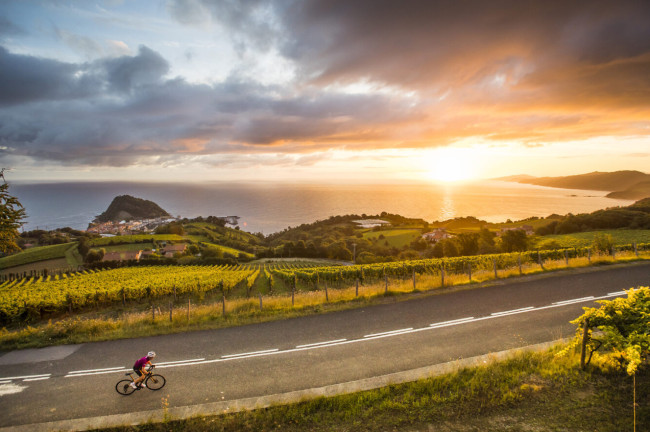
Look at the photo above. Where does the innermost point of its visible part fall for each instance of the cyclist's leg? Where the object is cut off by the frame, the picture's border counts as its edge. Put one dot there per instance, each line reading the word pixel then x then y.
pixel 140 377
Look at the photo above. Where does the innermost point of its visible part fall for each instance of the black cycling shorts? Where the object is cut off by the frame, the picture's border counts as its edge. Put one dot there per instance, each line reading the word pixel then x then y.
pixel 137 371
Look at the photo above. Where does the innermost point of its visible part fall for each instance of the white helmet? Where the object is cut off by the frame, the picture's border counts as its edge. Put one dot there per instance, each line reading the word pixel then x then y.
pixel 151 354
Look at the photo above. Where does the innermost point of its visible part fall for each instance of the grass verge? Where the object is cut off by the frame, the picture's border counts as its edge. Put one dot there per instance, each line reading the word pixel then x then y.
pixel 532 391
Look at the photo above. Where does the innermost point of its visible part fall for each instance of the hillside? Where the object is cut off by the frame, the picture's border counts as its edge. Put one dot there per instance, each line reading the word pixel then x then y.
pixel 126 207
pixel 604 181
pixel 638 191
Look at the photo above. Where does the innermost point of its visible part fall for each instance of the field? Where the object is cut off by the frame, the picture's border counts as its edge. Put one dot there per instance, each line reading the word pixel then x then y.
pixel 43 253
pixel 619 237
pixel 229 250
pixel 398 238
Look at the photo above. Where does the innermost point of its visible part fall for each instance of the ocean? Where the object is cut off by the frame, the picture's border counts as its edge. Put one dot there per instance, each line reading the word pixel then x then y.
pixel 273 207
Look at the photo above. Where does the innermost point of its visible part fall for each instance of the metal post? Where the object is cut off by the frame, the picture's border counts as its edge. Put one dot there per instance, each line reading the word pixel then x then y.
pixel 469 271
pixel 171 308
pixel 223 303
pixel 357 290
pixel 413 279
pixel 442 276
pixel 496 275
pixel 327 297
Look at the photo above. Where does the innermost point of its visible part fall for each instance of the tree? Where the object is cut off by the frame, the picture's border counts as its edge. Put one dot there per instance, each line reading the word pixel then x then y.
pixel 624 325
pixel 514 240
pixel 11 214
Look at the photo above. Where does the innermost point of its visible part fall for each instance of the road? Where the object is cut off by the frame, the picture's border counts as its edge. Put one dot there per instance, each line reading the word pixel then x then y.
pixel 202 367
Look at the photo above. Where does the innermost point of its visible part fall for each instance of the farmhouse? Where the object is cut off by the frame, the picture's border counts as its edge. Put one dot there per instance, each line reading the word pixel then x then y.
pixel 170 250
pixel 436 235
pixel 122 256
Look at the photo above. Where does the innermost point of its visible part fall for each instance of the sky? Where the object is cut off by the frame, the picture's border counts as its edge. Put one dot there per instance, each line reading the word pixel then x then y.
pixel 322 90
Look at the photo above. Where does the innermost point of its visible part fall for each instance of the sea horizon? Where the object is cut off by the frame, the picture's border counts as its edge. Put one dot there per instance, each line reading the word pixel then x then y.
pixel 269 207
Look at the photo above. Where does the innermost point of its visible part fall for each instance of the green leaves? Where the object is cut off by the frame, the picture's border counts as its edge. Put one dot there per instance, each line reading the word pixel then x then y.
pixel 624 324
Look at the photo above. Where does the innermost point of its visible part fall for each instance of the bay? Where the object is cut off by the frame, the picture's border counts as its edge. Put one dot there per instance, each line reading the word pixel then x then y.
pixel 272 207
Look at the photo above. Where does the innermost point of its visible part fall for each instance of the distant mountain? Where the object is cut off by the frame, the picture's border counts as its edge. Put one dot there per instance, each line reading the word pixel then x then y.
pixel 519 178
pixel 126 207
pixel 603 181
pixel 638 191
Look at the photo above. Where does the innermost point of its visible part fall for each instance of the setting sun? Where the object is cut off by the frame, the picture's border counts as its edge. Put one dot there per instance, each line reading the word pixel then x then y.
pixel 451 164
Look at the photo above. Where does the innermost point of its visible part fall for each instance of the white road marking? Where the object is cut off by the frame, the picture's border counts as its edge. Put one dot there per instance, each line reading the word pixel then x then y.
pixel 5 382
pixel 250 354
pixel 451 323
pixel 178 361
pixel 513 312
pixel 7 389
pixel 580 300
pixel 389 333
pixel 616 294
pixel 321 343
pixel 24 377
pixel 37 379
pixel 96 370
pixel 96 373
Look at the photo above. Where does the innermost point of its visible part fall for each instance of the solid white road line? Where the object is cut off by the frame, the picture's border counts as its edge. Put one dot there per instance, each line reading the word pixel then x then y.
pixel 96 373
pixel 321 343
pixel 37 379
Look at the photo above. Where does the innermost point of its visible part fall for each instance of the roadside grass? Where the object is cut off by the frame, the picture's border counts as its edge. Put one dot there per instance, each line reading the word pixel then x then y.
pixel 530 391
pixel 35 254
pixel 206 310
pixel 228 250
pixel 586 239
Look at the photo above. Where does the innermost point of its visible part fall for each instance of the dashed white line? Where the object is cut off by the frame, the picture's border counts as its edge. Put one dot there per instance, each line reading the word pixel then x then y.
pixel 37 379
pixel 112 369
pixel 250 354
pixel 71 375
pixel 580 300
pixel 24 377
pixel 451 323
pixel 513 312
pixel 389 333
pixel 179 361
pixel 321 343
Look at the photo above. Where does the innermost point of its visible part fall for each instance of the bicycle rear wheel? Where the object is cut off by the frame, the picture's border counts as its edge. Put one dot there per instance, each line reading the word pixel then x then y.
pixel 124 387
pixel 155 382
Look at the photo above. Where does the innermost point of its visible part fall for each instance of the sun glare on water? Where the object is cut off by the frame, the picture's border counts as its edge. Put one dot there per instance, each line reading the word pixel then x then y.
pixel 449 165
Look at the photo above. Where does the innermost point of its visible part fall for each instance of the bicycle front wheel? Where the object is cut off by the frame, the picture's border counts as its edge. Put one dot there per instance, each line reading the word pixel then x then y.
pixel 124 387
pixel 155 382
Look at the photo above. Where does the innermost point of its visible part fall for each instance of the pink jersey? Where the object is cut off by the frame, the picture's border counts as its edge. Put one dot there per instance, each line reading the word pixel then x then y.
pixel 141 362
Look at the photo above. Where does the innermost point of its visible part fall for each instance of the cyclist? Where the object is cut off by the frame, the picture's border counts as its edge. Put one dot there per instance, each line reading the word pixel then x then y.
pixel 139 368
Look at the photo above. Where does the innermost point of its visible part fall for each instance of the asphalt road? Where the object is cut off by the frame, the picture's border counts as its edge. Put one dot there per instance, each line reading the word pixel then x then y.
pixel 201 367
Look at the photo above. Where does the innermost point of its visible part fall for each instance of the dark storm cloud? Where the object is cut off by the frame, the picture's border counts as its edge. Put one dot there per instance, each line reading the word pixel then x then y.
pixel 124 111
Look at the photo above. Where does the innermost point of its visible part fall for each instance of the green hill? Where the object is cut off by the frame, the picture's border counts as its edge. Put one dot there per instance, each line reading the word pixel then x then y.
pixel 126 207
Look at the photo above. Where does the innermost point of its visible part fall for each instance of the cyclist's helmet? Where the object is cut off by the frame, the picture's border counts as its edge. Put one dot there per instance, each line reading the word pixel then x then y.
pixel 151 354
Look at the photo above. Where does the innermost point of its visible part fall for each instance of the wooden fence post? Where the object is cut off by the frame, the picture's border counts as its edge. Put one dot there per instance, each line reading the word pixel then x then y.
pixel 260 302
pixel 519 262
pixel 589 255
pixel 153 313
pixel 496 275
pixel 613 252
pixel 413 279
pixel 585 339
pixel 442 276
pixel 566 257
pixel 188 309
pixel 223 304
pixel 386 283
pixel 171 309
pixel 357 290
pixel 469 271
pixel 539 260
pixel 636 251
pixel 327 297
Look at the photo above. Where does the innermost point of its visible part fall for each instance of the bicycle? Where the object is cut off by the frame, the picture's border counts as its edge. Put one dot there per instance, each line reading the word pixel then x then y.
pixel 152 382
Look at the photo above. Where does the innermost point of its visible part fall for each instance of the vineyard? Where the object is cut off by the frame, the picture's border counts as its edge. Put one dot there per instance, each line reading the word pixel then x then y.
pixel 33 298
